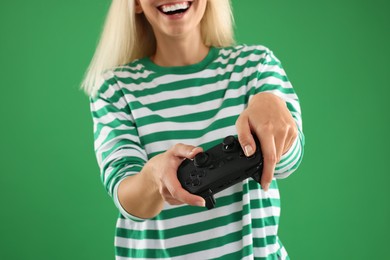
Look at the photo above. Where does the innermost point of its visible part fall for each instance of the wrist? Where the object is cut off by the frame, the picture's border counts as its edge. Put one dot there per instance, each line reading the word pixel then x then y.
pixel 151 181
pixel 139 195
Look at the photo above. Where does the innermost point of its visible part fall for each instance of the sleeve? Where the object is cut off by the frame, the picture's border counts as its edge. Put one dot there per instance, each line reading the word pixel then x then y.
pixel 272 78
pixel 117 144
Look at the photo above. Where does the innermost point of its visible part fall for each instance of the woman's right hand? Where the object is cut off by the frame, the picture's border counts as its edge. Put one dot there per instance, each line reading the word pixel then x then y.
pixel 163 169
pixel 143 195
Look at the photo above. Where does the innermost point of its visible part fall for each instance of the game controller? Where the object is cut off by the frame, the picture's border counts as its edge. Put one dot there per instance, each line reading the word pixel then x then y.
pixel 219 168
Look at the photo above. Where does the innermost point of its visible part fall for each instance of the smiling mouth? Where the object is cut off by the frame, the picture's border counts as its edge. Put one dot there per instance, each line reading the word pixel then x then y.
pixel 175 8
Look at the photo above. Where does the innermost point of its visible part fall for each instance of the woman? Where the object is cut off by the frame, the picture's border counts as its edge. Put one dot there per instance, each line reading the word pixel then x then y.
pixel 173 85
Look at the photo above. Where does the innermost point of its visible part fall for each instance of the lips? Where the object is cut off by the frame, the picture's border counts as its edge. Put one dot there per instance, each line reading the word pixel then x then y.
pixel 175 8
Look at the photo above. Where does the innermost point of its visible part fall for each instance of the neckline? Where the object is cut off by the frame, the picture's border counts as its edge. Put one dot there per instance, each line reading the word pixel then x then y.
pixel 149 64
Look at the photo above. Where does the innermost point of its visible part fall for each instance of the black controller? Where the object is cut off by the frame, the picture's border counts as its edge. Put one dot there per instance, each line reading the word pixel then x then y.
pixel 219 168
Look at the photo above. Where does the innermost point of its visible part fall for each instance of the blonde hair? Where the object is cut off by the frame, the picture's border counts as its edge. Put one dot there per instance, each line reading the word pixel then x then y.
pixel 127 36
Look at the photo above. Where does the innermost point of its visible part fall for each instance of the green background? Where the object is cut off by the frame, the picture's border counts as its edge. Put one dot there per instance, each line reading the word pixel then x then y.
pixel 336 53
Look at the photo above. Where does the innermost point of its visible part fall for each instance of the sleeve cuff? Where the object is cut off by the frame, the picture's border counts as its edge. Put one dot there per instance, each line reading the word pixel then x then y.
pixel 123 212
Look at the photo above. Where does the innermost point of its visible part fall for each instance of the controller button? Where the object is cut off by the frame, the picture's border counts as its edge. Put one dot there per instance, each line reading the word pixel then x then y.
pixel 193 174
pixel 188 182
pixel 201 159
pixel 229 143
pixel 195 182
pixel 201 174
pixel 212 166
pixel 229 158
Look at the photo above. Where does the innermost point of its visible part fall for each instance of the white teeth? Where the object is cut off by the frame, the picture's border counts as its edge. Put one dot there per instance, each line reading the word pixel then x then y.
pixel 175 7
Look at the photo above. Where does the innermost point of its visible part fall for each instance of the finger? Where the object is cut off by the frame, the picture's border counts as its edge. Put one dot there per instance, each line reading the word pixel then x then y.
pixel 184 196
pixel 194 152
pixel 174 202
pixel 269 156
pixel 292 136
pixel 168 197
pixel 185 151
pixel 177 192
pixel 245 135
pixel 280 142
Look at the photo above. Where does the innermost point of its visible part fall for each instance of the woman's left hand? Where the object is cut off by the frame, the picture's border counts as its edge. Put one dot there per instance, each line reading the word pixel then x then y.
pixel 267 117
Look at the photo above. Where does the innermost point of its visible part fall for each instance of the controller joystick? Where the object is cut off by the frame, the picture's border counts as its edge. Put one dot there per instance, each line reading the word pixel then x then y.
pixel 219 168
pixel 229 143
pixel 200 159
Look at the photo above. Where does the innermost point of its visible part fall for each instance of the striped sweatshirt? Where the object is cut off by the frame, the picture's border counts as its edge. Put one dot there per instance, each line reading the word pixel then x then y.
pixel 143 109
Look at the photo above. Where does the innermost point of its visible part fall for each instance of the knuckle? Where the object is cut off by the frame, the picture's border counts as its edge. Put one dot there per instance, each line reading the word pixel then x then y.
pixel 176 147
pixel 266 127
pixel 272 158
pixel 294 131
pixel 284 128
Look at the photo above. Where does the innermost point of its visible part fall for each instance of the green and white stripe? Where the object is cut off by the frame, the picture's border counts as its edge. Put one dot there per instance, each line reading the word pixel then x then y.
pixel 142 109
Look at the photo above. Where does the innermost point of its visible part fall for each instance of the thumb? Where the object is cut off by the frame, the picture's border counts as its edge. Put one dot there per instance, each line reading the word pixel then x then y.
pixel 185 151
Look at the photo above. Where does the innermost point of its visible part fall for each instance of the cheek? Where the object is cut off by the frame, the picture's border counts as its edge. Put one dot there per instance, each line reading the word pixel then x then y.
pixel 151 18
pixel 201 9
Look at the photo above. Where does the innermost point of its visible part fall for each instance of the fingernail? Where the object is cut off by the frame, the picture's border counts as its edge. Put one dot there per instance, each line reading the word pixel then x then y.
pixel 265 187
pixel 248 150
pixel 201 203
